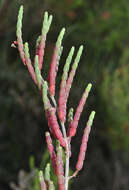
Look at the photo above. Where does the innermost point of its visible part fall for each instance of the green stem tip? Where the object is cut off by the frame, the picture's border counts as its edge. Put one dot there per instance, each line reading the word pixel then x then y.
pixel 91 118
pixel 51 185
pixel 45 98
pixel 68 62
pixel 19 22
pixel 47 172
pixel 79 53
pixel 60 37
pixel 26 49
pixel 88 88
pixel 46 23
pixel 41 176
pixel 70 115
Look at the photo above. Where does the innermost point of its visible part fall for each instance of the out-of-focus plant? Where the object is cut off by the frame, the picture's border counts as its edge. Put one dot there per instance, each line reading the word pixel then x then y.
pixel 115 87
pixel 56 112
pixel 30 180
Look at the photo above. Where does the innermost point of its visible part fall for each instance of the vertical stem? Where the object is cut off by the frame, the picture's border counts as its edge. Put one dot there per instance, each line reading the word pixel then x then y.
pixel 54 101
pixel 66 151
pixel 67 157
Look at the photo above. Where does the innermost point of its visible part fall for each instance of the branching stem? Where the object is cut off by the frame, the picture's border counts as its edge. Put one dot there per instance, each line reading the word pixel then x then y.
pixel 66 151
pixel 54 101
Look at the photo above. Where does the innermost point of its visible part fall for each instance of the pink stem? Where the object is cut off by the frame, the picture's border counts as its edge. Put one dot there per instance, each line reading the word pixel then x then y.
pixel 40 50
pixel 61 103
pixel 51 150
pixel 60 169
pixel 53 71
pixel 21 49
pixel 54 126
pixel 83 148
pixel 74 124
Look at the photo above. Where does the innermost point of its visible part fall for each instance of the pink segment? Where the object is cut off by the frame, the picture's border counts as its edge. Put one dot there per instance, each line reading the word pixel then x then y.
pixel 52 72
pixel 73 128
pixel 83 148
pixel 54 126
pixel 51 151
pixel 40 51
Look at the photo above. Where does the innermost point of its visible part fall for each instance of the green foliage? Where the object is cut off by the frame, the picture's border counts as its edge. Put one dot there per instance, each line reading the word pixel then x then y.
pixel 114 92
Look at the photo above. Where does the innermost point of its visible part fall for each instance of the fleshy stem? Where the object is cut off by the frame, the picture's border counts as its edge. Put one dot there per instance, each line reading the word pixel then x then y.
pixel 28 62
pixel 42 39
pixel 19 35
pixel 54 63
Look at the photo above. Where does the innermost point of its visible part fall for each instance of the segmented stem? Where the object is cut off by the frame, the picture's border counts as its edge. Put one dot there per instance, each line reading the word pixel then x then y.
pixel 51 150
pixel 28 63
pixel 19 34
pixel 83 146
pixel 54 63
pixel 62 92
pixel 74 124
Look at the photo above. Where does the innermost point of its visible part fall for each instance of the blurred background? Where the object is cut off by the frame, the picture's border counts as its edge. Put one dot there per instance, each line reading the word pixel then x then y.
pixel 103 28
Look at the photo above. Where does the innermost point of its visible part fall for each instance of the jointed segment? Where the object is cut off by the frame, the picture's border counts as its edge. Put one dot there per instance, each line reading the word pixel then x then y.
pixel 19 22
pixel 60 38
pixel 62 93
pixel 54 126
pixel 70 115
pixel 19 35
pixel 37 44
pixel 46 102
pixel 38 73
pixel 73 71
pixel 60 168
pixel 74 123
pixel 83 146
pixel 54 63
pixel 51 150
pixel 41 41
pixel 91 118
pixel 46 23
pixel 28 62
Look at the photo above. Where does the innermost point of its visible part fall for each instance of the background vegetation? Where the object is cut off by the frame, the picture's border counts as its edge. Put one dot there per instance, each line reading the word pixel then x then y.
pixel 103 28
